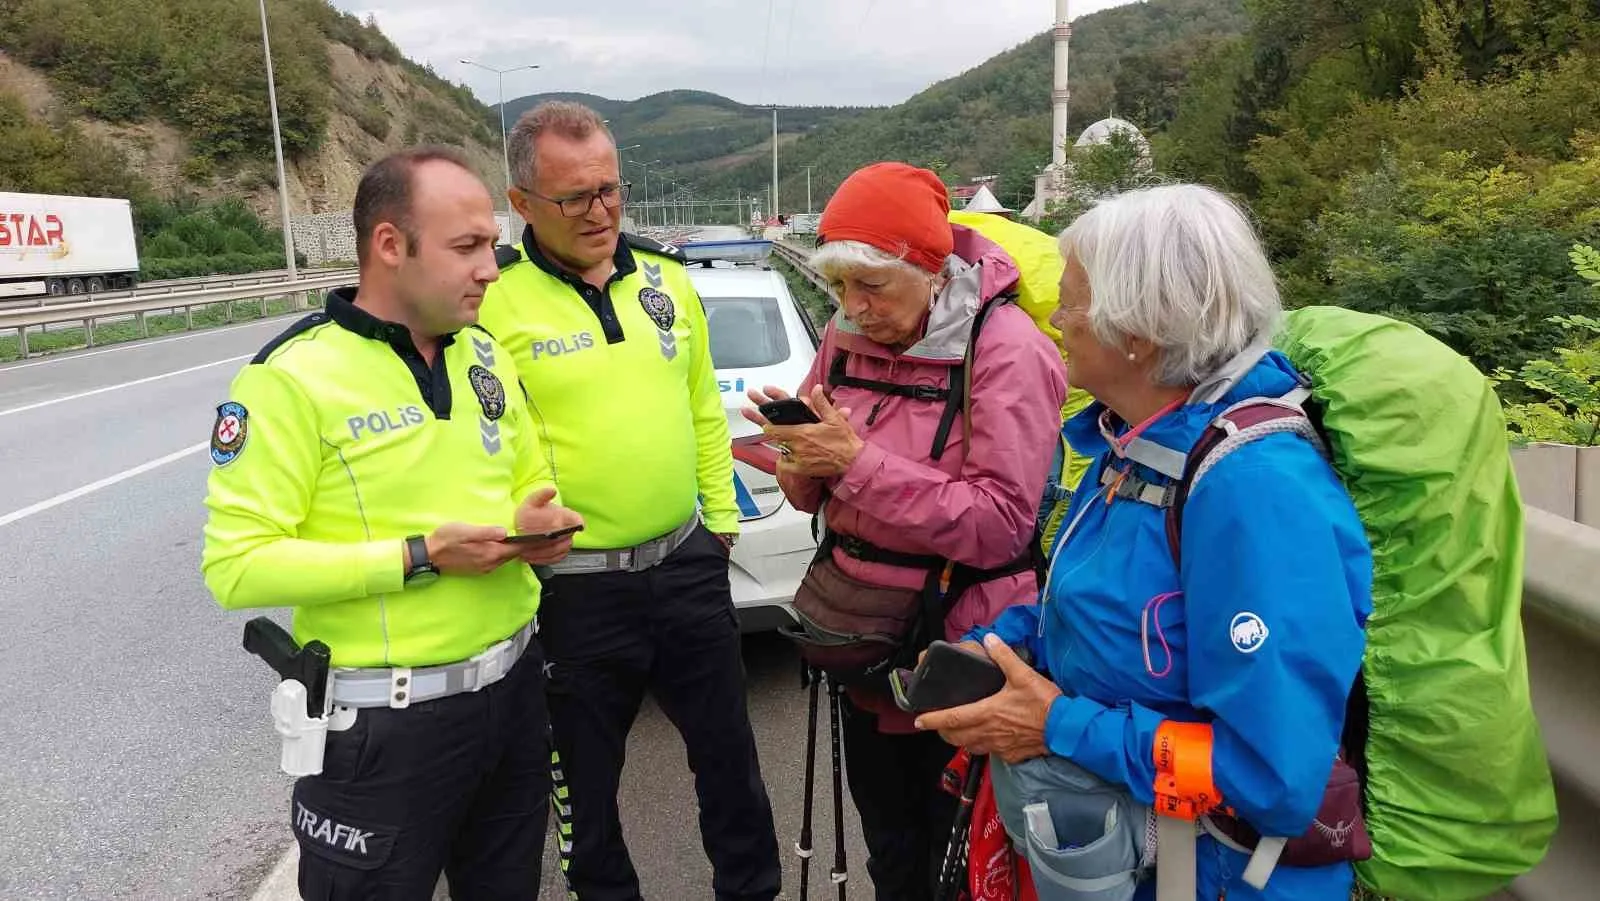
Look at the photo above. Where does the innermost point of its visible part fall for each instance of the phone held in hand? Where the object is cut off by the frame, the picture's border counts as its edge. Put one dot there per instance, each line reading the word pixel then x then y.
pixel 789 411
pixel 533 537
pixel 949 676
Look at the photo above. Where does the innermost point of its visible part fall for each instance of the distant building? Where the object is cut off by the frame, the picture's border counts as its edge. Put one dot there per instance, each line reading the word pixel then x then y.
pixel 984 201
pixel 1101 132
pixel 1098 133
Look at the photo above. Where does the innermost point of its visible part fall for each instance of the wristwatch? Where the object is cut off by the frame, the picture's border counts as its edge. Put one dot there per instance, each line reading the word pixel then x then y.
pixel 422 571
pixel 728 538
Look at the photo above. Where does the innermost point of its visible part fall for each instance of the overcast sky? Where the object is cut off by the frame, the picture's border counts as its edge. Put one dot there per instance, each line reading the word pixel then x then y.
pixel 819 52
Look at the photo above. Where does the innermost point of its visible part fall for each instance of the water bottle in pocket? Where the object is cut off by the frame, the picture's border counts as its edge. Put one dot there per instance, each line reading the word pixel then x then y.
pixel 1085 839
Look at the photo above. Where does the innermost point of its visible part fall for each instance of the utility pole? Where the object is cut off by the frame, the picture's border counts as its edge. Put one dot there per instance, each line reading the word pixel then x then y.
pixel 277 149
pixel 808 188
pixel 774 195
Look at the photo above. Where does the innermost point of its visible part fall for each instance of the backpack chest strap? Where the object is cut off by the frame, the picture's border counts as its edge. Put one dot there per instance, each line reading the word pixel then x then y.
pixel 1126 484
pixel 837 377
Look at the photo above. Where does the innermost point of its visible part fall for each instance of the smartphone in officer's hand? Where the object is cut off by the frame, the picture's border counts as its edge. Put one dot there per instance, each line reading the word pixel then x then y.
pixel 789 411
pixel 949 676
pixel 533 537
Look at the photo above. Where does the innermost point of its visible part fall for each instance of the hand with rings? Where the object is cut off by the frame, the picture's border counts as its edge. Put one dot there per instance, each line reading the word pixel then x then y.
pixel 816 450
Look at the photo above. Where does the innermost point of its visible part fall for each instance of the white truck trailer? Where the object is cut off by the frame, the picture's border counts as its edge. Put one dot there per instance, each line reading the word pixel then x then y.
pixel 52 245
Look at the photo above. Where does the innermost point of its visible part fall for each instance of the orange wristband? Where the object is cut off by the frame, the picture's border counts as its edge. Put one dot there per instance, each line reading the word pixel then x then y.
pixel 1184 787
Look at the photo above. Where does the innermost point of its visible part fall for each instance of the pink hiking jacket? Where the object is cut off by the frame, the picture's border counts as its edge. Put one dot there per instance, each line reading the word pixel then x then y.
pixel 976 505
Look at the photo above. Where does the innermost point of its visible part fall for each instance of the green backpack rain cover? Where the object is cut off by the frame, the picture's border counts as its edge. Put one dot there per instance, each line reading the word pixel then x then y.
pixel 1458 789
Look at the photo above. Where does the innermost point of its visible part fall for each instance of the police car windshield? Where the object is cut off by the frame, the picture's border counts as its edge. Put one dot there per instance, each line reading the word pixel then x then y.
pixel 746 332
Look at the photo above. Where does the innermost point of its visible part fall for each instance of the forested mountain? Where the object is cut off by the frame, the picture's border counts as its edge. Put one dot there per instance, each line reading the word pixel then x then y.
pixel 995 118
pixel 694 131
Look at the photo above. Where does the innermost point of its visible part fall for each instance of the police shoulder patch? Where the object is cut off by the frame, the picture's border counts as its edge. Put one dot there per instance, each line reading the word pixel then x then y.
pixel 229 432
pixel 491 393
pixel 506 256
pixel 651 245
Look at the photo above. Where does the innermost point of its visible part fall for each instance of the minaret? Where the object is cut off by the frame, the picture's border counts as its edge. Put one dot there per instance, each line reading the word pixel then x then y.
pixel 1062 93
pixel 1051 184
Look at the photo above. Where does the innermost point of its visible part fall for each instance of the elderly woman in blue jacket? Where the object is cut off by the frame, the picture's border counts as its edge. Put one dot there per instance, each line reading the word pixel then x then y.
pixel 1237 658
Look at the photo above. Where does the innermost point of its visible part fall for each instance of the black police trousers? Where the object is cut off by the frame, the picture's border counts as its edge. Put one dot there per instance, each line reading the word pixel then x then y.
pixel 459 785
pixel 906 817
pixel 672 630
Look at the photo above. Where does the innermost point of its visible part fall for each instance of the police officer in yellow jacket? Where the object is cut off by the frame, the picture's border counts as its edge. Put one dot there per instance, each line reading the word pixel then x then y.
pixel 370 463
pixel 610 340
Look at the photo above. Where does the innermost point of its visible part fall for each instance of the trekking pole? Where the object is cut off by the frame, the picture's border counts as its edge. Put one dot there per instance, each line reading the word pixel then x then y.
pixel 808 678
pixel 960 831
pixel 841 872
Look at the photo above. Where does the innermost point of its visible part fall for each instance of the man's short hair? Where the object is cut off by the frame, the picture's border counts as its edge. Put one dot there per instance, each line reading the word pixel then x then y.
pixel 385 193
pixel 559 117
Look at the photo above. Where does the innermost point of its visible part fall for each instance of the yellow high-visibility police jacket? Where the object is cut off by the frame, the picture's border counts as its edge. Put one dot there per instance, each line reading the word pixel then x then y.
pixel 338 442
pixel 622 388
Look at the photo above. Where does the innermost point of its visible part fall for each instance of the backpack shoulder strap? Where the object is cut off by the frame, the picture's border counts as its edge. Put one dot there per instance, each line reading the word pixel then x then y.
pixel 960 396
pixel 1240 424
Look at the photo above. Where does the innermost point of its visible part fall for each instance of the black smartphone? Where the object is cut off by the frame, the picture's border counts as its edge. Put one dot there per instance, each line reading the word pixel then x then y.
pixel 789 411
pixel 949 676
pixel 531 537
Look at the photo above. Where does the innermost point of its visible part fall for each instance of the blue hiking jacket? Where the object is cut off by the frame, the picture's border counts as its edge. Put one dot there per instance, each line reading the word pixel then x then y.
pixel 1264 641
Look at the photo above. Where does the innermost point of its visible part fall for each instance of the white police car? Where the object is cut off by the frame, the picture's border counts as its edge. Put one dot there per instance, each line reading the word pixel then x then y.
pixel 759 336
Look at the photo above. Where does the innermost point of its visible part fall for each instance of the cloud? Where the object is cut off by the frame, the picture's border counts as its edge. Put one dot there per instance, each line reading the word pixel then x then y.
pixel 808 52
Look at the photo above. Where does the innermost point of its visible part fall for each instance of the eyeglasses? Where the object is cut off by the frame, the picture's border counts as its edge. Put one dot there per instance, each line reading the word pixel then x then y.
pixel 610 197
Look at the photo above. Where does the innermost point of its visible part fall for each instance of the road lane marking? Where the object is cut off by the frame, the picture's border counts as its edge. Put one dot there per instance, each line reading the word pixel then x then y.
pixel 135 345
pixel 117 387
pixel 106 482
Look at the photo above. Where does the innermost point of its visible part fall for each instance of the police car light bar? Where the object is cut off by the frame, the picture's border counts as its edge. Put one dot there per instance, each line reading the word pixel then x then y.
pixel 751 251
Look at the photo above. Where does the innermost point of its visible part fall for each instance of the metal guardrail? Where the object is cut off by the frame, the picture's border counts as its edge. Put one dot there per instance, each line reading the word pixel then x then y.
pixel 1561 622
pixel 169 286
pixel 23 318
pixel 796 257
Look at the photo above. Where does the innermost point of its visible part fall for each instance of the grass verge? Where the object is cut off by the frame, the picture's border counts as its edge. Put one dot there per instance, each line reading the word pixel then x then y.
pixel 817 305
pixel 72 338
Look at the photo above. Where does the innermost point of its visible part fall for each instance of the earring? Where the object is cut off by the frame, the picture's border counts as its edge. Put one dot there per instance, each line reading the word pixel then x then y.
pixel 1132 358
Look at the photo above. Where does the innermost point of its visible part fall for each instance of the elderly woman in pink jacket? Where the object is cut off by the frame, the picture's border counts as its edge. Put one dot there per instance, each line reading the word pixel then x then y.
pixel 927 466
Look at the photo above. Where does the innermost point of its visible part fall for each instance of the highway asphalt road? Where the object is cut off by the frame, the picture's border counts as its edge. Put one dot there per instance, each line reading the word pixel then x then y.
pixel 139 762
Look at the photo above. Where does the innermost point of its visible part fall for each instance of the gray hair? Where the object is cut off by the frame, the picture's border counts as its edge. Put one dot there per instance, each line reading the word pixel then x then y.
pixel 559 117
pixel 835 258
pixel 1181 267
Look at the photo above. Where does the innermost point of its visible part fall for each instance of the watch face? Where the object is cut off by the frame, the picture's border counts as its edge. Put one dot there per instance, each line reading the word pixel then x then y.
pixel 422 577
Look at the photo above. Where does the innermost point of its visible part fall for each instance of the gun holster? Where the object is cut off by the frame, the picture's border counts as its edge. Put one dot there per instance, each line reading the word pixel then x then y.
pixel 300 703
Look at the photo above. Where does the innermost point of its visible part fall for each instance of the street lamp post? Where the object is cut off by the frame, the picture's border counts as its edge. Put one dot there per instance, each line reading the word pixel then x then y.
pixel 646 168
pixel 622 157
pixel 277 149
pixel 505 153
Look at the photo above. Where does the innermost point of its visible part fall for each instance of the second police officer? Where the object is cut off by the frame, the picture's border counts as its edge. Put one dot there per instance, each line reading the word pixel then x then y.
pixel 610 341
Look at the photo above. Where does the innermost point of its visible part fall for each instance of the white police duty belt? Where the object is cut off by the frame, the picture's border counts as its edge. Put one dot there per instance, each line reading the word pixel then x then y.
pixel 305 737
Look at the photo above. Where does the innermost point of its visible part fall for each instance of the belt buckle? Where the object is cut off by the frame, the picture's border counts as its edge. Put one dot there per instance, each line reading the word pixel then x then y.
pixel 490 665
pixel 635 560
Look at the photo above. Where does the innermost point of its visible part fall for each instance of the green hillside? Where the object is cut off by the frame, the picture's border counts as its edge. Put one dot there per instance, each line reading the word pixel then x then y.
pixel 694 132
pixel 197 64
